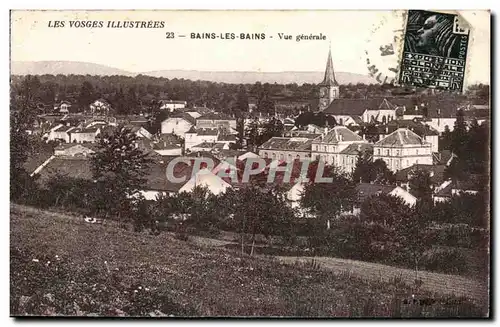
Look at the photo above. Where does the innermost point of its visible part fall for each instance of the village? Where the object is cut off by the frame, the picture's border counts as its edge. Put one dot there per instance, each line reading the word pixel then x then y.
pixel 404 136
pixel 209 177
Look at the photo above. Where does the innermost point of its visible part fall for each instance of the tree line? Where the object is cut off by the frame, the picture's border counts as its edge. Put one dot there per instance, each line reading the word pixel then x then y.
pixel 142 93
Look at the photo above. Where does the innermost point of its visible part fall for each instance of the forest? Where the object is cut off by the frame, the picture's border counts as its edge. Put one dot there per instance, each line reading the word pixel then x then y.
pixel 131 95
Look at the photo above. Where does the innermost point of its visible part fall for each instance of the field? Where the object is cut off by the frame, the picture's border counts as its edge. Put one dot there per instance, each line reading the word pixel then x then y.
pixel 61 265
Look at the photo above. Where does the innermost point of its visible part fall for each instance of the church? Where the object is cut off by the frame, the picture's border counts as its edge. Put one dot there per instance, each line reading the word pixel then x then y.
pixel 351 111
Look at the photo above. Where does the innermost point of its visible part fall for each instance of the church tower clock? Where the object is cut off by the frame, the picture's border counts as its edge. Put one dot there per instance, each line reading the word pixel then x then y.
pixel 328 88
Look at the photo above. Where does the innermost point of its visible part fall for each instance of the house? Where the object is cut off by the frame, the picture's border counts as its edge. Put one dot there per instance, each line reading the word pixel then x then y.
pixel 167 149
pixel 178 125
pixel 205 178
pixel 366 190
pixel 140 131
pixel 348 158
pixel 401 149
pixel 203 146
pixel 60 132
pixel 287 148
pixel 74 150
pixel 429 134
pixel 444 157
pixel 355 111
pixel 247 155
pixel 408 198
pixel 81 134
pixel 199 135
pixel 171 105
pixel 329 145
pixel 436 173
pixel 226 139
pixel 157 181
pixel 312 128
pixel 216 120
pixel 441 113
pixel 196 112
pixel 100 107
pixel 63 107
pixel 448 189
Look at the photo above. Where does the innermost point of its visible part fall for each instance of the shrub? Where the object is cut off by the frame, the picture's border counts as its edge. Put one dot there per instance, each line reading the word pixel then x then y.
pixel 444 260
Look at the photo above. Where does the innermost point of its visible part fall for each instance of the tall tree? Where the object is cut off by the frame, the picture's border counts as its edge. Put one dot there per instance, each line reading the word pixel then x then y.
pixel 255 210
pixel 265 104
pixel 273 127
pixel 459 137
pixel 22 115
pixel 328 199
pixel 242 99
pixel 252 134
pixel 361 172
pixel 119 167
pixel 86 95
pixel 420 186
pixel 384 209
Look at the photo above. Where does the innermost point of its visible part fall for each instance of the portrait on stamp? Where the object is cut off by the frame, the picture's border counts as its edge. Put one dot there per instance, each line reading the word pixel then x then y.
pixel 435 51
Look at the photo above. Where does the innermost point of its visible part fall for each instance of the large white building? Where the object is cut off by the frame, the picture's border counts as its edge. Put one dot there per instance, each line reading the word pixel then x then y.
pixel 403 148
pixel 332 142
pixel 178 124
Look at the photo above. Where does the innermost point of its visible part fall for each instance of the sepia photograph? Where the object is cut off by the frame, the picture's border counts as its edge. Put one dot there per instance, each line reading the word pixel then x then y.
pixel 250 164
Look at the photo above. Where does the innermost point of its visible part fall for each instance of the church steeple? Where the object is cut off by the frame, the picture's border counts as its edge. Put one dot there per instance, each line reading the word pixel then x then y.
pixel 328 88
pixel 329 79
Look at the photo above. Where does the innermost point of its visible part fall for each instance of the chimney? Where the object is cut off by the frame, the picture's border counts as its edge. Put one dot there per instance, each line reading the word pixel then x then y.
pixel 341 138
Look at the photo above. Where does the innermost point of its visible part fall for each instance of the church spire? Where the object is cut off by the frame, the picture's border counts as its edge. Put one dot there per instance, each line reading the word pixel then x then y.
pixel 329 79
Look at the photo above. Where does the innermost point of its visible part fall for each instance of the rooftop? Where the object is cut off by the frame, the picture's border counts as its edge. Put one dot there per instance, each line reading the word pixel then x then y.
pixel 288 143
pixel 356 148
pixel 340 134
pixel 366 190
pixel 215 116
pixel 400 137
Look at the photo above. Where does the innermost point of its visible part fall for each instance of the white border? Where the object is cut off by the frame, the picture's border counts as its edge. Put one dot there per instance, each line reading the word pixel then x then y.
pixel 186 4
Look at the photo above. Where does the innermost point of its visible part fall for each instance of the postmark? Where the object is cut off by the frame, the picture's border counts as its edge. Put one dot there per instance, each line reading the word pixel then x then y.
pixel 435 51
pixel 384 47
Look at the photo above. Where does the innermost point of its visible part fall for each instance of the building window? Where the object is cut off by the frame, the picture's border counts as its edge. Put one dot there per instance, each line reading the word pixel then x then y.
pixel 282 156
pixel 324 148
pixel 387 152
pixel 290 157
pixel 398 153
pixel 298 156
pixel 417 151
pixel 378 151
pixel 274 156
pixel 407 163
pixel 265 154
pixel 341 121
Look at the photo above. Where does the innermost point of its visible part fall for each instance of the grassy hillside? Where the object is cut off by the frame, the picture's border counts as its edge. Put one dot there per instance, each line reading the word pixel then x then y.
pixel 62 265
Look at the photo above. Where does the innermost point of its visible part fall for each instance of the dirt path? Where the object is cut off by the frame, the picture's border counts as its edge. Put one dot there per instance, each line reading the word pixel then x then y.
pixel 434 282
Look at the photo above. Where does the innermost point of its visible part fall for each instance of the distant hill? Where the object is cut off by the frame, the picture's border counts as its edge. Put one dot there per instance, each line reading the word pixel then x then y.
pixel 264 77
pixel 237 77
pixel 64 68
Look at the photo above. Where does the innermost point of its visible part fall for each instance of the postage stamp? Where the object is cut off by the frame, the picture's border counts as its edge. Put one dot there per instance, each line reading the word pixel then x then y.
pixel 435 50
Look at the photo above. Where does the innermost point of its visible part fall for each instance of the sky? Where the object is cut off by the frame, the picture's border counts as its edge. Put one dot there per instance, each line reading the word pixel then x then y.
pixel 350 33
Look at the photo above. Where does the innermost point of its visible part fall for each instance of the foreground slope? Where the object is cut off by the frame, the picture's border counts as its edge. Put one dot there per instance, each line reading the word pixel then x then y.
pixel 63 265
